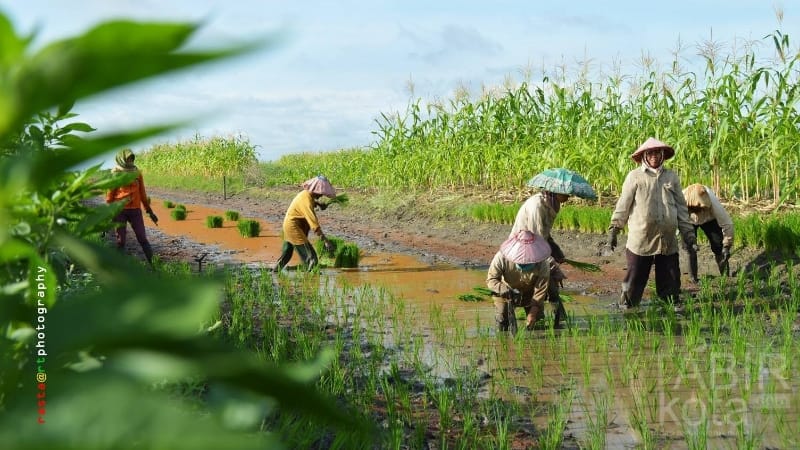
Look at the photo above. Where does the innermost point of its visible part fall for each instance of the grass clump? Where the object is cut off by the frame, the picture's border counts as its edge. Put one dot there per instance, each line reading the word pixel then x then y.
pixel 248 227
pixel 178 214
pixel 169 204
pixel 232 215
pixel 214 221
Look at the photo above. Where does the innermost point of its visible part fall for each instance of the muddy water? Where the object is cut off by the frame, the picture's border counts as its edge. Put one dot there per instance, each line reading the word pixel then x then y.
pixel 660 383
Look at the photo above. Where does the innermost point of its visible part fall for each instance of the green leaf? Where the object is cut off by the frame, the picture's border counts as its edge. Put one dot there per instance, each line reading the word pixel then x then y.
pixel 104 410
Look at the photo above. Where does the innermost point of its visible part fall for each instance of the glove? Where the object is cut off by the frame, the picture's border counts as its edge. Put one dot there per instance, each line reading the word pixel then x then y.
pixel 612 237
pixel 153 216
pixel 513 294
pixel 726 253
pixel 322 206
pixel 691 243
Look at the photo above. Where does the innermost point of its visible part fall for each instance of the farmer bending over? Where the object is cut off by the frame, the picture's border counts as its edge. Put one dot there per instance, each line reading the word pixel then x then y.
pixel 518 276
pixel 300 219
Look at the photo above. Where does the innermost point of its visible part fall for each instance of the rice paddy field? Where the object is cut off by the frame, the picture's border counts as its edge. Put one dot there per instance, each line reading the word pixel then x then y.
pixel 429 371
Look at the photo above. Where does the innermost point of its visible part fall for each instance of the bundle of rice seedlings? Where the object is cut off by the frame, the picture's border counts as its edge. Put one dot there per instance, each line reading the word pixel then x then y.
pixel 583 266
pixel 482 294
pixel 181 206
pixel 340 199
pixel 232 215
pixel 169 204
pixel 319 246
pixel 214 221
pixel 347 255
pixel 248 227
pixel 178 214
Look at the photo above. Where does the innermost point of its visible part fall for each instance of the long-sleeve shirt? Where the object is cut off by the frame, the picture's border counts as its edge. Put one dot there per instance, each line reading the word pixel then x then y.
pixel 133 192
pixel 300 218
pixel 504 275
pixel 716 212
pixel 653 207
pixel 535 215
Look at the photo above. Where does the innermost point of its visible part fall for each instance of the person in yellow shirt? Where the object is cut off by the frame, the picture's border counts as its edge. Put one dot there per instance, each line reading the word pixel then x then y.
pixel 136 197
pixel 300 219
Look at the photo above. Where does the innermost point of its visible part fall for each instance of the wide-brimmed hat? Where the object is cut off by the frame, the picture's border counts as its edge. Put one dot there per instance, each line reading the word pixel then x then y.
pixel 320 185
pixel 697 196
pixel 652 144
pixel 525 247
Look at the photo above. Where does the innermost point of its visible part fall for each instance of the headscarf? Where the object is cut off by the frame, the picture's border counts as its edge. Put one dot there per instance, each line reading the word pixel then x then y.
pixel 124 159
pixel 551 198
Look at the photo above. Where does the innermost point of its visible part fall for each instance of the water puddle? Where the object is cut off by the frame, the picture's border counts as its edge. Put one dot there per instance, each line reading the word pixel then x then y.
pixel 659 389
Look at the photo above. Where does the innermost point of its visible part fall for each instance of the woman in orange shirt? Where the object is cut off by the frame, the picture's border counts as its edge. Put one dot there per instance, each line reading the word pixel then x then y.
pixel 135 196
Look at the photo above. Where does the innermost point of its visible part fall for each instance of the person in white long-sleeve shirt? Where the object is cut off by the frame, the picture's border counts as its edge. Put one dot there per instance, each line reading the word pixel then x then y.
pixel 707 213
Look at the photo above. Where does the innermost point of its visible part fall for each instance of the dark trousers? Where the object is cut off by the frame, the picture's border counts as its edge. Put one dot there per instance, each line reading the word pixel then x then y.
pixel 135 218
pixel 668 277
pixel 713 232
pixel 306 252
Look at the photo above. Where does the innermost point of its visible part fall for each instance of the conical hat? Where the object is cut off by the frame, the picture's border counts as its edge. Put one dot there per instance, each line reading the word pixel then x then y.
pixel 697 196
pixel 524 247
pixel 652 144
pixel 320 185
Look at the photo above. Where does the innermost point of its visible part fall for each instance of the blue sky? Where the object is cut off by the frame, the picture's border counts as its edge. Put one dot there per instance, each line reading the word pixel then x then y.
pixel 339 64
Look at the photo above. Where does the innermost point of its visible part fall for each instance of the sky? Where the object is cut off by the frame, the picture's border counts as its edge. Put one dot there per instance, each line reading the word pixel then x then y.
pixel 333 67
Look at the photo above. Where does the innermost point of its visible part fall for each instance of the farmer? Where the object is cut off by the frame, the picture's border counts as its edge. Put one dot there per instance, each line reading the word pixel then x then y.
pixel 300 219
pixel 135 197
pixel 653 207
pixel 537 215
pixel 706 212
pixel 518 276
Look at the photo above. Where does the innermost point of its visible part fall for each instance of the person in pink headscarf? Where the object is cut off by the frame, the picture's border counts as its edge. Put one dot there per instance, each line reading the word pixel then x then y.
pixel 300 218
pixel 518 276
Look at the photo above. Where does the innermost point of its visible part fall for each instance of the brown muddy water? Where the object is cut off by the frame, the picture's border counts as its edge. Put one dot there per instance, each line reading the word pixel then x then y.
pixel 629 389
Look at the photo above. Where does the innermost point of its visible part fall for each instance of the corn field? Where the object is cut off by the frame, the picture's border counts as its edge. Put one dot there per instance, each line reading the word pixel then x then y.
pixel 734 127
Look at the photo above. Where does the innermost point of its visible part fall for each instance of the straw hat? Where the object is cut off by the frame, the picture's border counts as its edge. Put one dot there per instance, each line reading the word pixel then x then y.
pixel 320 185
pixel 697 196
pixel 652 144
pixel 524 247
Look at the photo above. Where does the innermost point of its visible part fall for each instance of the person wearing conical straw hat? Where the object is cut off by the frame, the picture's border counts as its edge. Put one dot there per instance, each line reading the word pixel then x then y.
pixel 518 276
pixel 537 215
pixel 707 213
pixel 300 218
pixel 652 205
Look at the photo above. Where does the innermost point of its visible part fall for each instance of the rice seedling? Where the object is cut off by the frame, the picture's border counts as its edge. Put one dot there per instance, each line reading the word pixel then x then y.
pixel 583 266
pixel 169 204
pixel 347 256
pixel 178 214
pixel 180 206
pixel 341 199
pixel 214 221
pixel 233 216
pixel 248 228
